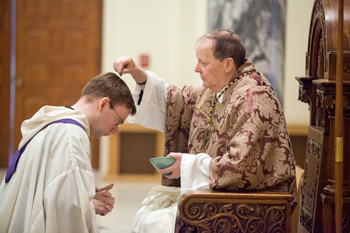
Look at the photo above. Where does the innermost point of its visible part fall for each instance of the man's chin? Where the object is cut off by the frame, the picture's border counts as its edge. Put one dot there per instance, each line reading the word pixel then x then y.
pixel 97 136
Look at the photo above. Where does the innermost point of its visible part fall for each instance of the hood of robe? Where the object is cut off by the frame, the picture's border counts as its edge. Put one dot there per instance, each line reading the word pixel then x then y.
pixel 48 114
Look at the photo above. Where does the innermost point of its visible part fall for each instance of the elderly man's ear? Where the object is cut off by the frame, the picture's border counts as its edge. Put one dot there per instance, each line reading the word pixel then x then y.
pixel 230 65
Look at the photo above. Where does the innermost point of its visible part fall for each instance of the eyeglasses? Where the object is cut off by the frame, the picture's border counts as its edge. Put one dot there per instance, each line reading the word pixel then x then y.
pixel 121 121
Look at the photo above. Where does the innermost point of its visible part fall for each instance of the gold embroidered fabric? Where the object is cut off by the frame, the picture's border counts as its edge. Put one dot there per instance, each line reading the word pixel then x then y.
pixel 248 138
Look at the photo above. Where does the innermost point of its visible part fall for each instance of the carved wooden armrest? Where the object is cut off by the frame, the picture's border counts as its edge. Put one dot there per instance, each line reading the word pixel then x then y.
pixel 210 211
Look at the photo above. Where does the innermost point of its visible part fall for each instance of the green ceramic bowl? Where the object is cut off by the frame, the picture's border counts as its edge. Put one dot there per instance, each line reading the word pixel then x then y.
pixel 162 162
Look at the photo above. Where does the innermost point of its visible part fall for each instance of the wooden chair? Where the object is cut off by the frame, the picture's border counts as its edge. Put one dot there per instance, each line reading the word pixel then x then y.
pixel 210 211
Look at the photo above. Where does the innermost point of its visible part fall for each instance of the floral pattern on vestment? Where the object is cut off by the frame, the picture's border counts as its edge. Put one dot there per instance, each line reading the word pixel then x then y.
pixel 248 137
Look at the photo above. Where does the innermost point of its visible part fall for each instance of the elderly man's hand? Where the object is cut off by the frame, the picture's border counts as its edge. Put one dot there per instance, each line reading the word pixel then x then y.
pixel 126 65
pixel 103 200
pixel 175 169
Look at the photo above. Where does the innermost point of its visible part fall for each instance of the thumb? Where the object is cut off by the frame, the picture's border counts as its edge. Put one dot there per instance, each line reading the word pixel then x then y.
pixel 108 187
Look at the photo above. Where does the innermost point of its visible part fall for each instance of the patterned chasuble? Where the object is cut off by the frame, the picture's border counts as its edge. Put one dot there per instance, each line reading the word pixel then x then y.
pixel 248 138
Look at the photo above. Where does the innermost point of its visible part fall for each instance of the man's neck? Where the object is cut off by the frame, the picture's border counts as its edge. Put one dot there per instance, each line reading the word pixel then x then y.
pixel 85 106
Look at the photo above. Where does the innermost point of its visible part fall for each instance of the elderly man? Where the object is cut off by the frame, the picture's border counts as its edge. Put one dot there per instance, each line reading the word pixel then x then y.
pixel 228 134
pixel 49 186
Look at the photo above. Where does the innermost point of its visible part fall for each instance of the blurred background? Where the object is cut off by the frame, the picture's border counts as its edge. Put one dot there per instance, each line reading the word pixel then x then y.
pixel 51 49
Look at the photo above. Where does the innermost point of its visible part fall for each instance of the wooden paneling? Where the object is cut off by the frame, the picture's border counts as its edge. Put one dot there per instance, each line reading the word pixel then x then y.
pixel 5 32
pixel 58 51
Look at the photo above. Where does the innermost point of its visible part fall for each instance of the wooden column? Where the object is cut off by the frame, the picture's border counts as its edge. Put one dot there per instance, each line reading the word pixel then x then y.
pixel 339 126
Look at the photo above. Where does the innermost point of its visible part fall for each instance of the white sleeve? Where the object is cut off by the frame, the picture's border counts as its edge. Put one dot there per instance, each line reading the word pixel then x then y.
pixel 151 111
pixel 195 172
pixel 92 207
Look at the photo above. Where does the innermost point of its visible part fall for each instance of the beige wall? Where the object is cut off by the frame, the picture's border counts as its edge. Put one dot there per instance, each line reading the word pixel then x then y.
pixel 297 34
pixel 167 30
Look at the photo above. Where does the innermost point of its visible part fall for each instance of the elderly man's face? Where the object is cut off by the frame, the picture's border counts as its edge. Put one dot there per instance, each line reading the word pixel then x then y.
pixel 211 70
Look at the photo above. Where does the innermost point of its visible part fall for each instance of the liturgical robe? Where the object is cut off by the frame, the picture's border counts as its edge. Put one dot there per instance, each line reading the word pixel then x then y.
pixel 52 188
pixel 248 146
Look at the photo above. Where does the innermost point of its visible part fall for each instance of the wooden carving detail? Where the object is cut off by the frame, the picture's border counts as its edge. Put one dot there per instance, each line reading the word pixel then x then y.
pixel 346 66
pixel 321 55
pixel 346 106
pixel 320 59
pixel 329 210
pixel 210 211
pixel 216 217
pixel 318 12
pixel 314 148
pixel 326 105
pixel 322 101
pixel 318 22
pixel 309 188
pixel 305 85
pixel 304 95
pixel 325 99
pixel 327 102
pixel 346 224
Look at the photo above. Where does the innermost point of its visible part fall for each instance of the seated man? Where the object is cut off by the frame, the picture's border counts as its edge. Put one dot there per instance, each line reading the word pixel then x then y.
pixel 229 134
pixel 49 186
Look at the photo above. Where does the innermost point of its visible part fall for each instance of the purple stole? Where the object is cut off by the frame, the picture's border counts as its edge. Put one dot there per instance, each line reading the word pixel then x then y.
pixel 13 161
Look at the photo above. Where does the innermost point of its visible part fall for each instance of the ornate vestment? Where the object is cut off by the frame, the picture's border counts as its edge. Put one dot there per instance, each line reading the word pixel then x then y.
pixel 248 137
pixel 248 147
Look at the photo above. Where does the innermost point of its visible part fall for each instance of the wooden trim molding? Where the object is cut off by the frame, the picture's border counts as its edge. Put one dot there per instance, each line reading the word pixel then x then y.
pixel 298 129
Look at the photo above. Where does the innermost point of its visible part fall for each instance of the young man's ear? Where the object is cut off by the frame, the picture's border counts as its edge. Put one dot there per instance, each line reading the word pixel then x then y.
pixel 103 103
